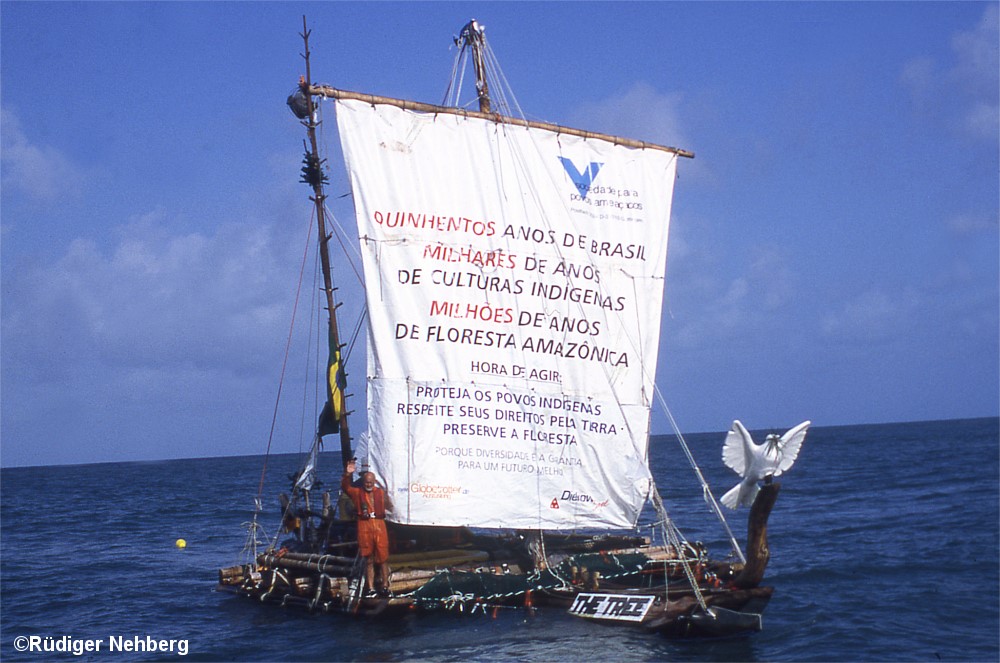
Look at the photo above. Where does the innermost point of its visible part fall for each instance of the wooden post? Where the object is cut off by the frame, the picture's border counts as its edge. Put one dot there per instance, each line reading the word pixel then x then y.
pixel 319 200
pixel 758 554
pixel 473 36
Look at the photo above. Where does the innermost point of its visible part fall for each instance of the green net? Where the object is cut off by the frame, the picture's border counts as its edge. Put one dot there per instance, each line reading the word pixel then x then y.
pixel 449 589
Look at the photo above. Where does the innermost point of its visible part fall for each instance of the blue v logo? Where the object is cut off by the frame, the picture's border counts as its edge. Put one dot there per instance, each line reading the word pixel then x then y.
pixel 581 180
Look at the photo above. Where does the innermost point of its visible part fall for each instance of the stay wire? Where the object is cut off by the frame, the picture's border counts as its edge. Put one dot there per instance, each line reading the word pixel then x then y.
pixel 284 365
pixel 706 490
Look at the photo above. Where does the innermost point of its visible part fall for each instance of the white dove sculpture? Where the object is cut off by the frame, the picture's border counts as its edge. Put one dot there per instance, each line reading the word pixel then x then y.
pixel 754 462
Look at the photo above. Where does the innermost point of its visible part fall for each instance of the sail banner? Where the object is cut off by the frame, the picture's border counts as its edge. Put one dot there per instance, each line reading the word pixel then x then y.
pixel 514 279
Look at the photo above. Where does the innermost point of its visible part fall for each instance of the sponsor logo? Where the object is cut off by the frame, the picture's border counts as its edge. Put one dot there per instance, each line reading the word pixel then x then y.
pixel 573 496
pixel 582 180
pixel 616 202
pixel 434 491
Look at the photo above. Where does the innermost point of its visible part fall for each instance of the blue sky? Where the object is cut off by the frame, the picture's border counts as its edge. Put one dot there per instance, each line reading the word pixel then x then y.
pixel 834 247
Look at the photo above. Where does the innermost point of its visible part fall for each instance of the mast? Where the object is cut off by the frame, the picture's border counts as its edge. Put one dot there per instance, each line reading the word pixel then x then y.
pixel 313 175
pixel 472 35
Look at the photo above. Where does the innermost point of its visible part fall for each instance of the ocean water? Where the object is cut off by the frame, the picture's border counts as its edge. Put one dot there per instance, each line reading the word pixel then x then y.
pixel 884 546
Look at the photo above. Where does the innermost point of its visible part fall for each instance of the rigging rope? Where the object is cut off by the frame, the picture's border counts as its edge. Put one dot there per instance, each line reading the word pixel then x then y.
pixel 499 82
pixel 492 73
pixel 348 248
pixel 706 491
pixel 311 365
pixel 452 93
pixel 252 541
pixel 284 364
pixel 671 532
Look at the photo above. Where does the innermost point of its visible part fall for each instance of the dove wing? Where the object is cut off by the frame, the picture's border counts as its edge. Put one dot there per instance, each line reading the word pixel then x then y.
pixel 789 446
pixel 736 451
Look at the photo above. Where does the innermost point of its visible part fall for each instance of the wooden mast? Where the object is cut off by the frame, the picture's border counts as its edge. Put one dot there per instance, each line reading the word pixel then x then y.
pixel 472 34
pixel 316 180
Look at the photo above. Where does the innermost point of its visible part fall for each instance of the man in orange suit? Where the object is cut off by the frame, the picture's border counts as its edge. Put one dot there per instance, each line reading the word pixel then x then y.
pixel 370 503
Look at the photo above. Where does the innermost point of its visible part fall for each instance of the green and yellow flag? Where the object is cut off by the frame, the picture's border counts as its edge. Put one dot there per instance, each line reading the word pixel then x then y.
pixel 336 382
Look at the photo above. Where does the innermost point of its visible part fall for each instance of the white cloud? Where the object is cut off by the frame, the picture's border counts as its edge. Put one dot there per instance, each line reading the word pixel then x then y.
pixel 976 50
pixel 874 315
pixel 144 324
pixel 639 112
pixel 183 330
pixel 964 90
pixel 710 302
pixel 41 172
pixel 972 224
pixel 772 278
pixel 707 302
pixel 977 71
pixel 981 121
pixel 154 299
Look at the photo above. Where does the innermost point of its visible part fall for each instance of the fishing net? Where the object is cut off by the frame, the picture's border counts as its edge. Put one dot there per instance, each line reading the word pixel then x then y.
pixel 450 589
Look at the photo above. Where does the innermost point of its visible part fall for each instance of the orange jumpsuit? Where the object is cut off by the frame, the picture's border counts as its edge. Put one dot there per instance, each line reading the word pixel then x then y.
pixel 373 539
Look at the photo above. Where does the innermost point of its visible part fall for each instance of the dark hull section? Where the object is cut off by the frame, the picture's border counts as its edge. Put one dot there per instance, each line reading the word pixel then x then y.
pixel 730 612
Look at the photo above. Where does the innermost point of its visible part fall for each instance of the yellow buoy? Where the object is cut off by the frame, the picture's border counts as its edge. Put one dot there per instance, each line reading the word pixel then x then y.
pixel 181 543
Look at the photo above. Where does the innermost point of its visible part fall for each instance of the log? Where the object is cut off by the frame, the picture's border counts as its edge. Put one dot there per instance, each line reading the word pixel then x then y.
pixel 440 562
pixel 231 572
pixel 758 554
pixel 404 586
pixel 433 556
pixel 407 581
pixel 654 553
pixel 301 565
pixel 424 575
pixel 322 559
pixel 338 587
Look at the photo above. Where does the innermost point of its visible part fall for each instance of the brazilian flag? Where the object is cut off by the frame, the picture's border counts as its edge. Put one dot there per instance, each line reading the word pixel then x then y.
pixel 336 382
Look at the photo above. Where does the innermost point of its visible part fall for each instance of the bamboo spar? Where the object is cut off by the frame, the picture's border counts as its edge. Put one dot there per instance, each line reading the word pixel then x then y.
pixel 405 104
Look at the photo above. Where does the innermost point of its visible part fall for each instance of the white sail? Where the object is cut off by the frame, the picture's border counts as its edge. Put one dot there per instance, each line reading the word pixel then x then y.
pixel 514 279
